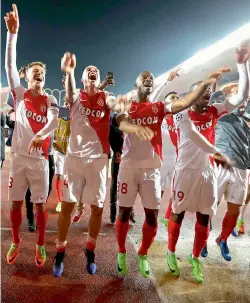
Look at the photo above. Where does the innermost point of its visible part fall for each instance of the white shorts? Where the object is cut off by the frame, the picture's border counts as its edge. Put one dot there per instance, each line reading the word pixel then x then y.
pixel 27 172
pixel 85 180
pixel 145 181
pixel 233 184
pixel 194 190
pixel 166 177
pixel 59 162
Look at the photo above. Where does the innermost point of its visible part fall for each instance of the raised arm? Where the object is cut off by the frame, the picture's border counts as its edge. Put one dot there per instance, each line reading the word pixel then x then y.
pixel 170 78
pixel 243 89
pixel 68 64
pixel 12 24
pixel 242 57
pixel 191 98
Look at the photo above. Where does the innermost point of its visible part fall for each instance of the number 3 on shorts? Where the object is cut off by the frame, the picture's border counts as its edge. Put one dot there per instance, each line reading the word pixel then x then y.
pixel 123 187
pixel 180 195
pixel 10 182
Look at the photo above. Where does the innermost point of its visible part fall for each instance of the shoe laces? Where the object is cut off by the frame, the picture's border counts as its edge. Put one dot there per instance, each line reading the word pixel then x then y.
pixel 197 265
pixel 42 251
pixel 12 248
pixel 225 247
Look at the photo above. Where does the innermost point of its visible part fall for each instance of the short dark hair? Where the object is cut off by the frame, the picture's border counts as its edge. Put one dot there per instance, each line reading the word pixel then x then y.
pixel 170 94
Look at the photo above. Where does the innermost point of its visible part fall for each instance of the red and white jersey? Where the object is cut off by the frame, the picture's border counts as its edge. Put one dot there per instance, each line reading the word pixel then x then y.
pixel 189 155
pixel 169 142
pixel 138 153
pixel 90 122
pixel 30 117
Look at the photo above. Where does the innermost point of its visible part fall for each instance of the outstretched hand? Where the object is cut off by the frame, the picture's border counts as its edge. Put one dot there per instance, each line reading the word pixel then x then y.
pixel 243 52
pixel 217 74
pixel 68 63
pixel 12 20
pixel 173 75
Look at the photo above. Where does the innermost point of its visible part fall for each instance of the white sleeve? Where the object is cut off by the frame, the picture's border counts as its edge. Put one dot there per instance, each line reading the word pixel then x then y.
pixel 167 108
pixel 114 106
pixel 243 90
pixel 185 124
pixel 52 118
pixel 10 65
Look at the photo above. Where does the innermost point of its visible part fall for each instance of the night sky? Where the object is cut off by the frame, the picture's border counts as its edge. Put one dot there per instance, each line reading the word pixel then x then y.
pixel 125 37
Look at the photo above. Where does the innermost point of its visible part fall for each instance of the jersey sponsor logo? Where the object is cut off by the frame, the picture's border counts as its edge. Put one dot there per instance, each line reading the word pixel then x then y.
pixel 204 126
pixel 170 127
pixel 144 121
pixel 97 113
pixel 35 116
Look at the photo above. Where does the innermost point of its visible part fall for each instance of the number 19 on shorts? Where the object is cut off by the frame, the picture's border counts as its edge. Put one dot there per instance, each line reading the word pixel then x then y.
pixel 122 188
pixel 179 195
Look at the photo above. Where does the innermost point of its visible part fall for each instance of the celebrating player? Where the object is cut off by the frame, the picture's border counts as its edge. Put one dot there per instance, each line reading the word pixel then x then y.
pixel 87 156
pixel 36 118
pixel 193 163
pixel 139 168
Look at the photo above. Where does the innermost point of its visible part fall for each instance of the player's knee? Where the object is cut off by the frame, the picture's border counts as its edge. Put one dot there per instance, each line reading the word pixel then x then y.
pixel 124 214
pixel 96 211
pixel 233 209
pixel 177 218
pixel 151 217
pixel 202 219
pixel 16 205
pixel 40 207
pixel 67 209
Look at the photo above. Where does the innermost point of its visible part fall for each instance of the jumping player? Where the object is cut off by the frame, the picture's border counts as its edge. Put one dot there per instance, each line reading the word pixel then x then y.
pixel 36 118
pixel 87 157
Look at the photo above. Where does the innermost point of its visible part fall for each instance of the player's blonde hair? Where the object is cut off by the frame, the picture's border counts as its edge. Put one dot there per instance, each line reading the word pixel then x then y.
pixel 24 69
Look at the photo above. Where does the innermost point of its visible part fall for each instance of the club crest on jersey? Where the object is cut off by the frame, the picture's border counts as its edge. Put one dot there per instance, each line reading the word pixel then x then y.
pixel 100 102
pixel 43 109
pixel 155 109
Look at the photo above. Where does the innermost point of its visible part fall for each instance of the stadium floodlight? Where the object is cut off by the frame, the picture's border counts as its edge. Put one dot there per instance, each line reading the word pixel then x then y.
pixel 229 42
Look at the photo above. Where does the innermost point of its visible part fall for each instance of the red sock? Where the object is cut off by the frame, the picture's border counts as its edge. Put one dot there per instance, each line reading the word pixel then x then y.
pixel 200 239
pixel 59 184
pixel 148 235
pixel 228 224
pixel 121 235
pixel 173 234
pixel 90 243
pixel 41 221
pixel 16 221
pixel 169 210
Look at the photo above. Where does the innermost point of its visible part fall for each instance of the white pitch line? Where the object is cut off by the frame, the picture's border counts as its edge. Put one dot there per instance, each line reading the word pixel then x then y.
pixel 51 231
pixel 151 277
